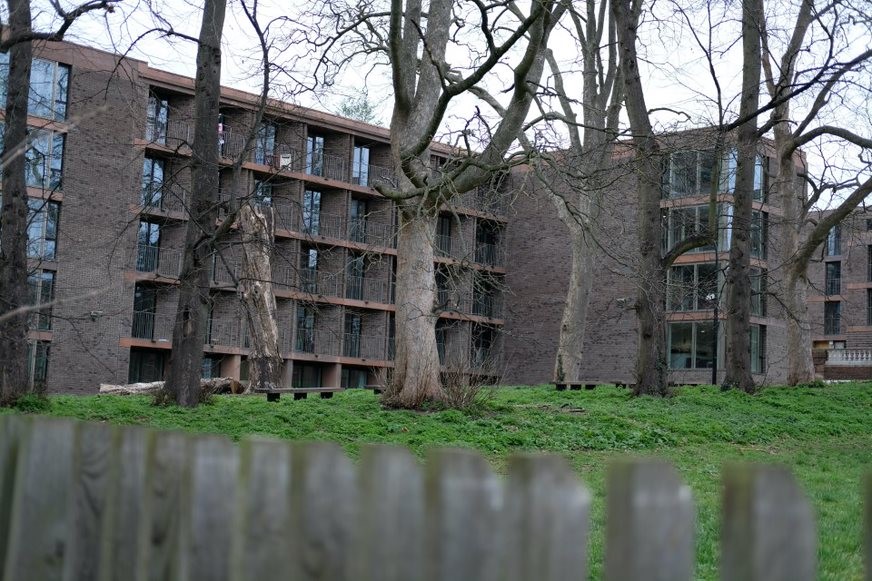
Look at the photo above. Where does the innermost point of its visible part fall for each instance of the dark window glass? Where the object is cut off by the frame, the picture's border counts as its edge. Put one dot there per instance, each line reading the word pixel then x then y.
pixel 357 220
pixel 305 329
pixel 315 155
pixel 42 229
pixel 354 272
pixel 44 160
pixel 312 212
pixel 681 345
pixel 37 360
pixel 151 187
pixel 41 285
pixel 145 366
pixel 833 278
pixel 265 143
pixel 360 166
pixel 351 344
pixel 834 241
pixel 832 318
pixel 157 119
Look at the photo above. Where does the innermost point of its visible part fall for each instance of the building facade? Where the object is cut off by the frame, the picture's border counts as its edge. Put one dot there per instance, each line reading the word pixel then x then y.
pixel 109 180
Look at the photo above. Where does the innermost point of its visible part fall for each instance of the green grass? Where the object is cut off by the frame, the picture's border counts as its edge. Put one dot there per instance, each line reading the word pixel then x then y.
pixel 824 435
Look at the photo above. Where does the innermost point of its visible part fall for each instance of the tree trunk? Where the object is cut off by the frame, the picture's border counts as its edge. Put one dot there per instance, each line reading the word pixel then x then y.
pixel 416 365
pixel 738 352
pixel 570 347
pixel 186 359
pixel 14 377
pixel 265 359
pixel 800 363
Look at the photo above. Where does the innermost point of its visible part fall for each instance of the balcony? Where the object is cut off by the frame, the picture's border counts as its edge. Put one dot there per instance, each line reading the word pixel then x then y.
pixel 158 261
pixel 490 306
pixel 316 342
pixel 320 224
pixel 364 346
pixel 319 283
pixel 152 326
pixel 373 175
pixel 162 197
pixel 371 233
pixel 368 289
pixel 170 134
pixel 490 254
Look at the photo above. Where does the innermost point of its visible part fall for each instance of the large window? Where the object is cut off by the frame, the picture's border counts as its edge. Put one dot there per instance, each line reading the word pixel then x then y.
pixel 42 229
pixel 688 173
pixel 312 212
pixel 37 362
pixel 759 234
pixel 309 270
pixel 151 186
pixel 354 273
pixel 306 375
pixel 351 343
pixel 148 246
pixel 360 165
pixel 758 349
pixel 483 345
pixel 833 278
pixel 692 287
pixel 49 87
pixel 759 291
pixel 681 223
pixel 157 119
pixel 485 296
pixel 44 159
pixel 357 220
pixel 265 143
pixel 728 176
pixel 692 345
pixel 305 329
pixel 146 365
pixel 144 312
pixel 41 285
pixel 832 318
pixel 315 155
pixel 869 306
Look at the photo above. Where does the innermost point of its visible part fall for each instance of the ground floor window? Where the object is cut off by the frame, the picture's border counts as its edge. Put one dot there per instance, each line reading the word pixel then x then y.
pixel 37 362
pixel 306 375
pixel 352 378
pixel 758 349
pixel 692 345
pixel 146 365
pixel 211 367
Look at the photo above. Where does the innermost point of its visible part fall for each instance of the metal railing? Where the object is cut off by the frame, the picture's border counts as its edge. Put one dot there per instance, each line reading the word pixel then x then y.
pixel 162 196
pixel 368 289
pixel 152 326
pixel 318 283
pixel 317 342
pixel 364 346
pixel 490 254
pixel 832 325
pixel 833 285
pixel 487 306
pixel 159 261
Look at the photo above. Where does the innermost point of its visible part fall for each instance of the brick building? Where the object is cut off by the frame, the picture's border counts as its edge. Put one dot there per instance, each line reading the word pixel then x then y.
pixel 108 181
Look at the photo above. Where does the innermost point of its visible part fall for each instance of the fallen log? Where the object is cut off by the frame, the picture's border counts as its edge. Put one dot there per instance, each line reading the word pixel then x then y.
pixel 207 386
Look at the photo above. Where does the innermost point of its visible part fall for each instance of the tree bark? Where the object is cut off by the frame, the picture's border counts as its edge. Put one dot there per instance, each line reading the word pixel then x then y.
pixel 416 364
pixel 186 359
pixel 573 326
pixel 800 364
pixel 14 376
pixel 738 327
pixel 257 226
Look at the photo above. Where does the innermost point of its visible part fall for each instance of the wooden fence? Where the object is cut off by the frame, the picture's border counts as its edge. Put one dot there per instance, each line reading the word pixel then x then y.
pixel 92 501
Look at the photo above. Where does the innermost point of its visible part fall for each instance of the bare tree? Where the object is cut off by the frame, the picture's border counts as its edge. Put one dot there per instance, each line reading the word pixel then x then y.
pixel 17 41
pixel 186 359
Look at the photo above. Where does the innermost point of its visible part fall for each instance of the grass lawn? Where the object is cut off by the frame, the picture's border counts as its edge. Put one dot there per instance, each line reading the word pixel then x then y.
pixel 824 434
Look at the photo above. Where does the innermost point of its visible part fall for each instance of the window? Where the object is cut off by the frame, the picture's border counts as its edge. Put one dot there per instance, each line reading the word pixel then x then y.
pixel 869 306
pixel 306 375
pixel 144 312
pixel 443 287
pixel 833 278
pixel 49 85
pixel 41 285
pixel 309 270
pixel 157 119
pixel 211 367
pixel 148 247
pixel 265 143
pixel 315 155
pixel 305 329
pixel 42 229
pixel 151 186
pixel 692 345
pixel 354 273
pixel 357 220
pixel 146 365
pixel 728 176
pixel 360 165
pixel 263 193
pixel 834 241
pixel 759 234
pixel 692 287
pixel 351 344
pixel 759 291
pixel 311 212
pixel 354 378
pixel 758 349
pixel 869 263
pixel 483 343
pixel 832 318
pixel 485 296
pixel 443 236
pixel 441 337
pixel 37 362
pixel 487 235
pixel 44 159
pixel 688 173
pixel 681 223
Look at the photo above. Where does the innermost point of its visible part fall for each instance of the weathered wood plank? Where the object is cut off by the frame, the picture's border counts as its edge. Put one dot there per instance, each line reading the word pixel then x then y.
pixel 159 534
pixel 546 521
pixel 768 529
pixel 11 430
pixel 91 493
pixel 44 482
pixel 124 521
pixel 262 542
pixel 649 522
pixel 324 504
pixel 464 503
pixel 208 509
pixel 390 531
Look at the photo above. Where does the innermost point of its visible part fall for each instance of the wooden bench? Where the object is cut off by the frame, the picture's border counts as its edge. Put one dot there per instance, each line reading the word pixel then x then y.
pixel 300 392
pixel 574 386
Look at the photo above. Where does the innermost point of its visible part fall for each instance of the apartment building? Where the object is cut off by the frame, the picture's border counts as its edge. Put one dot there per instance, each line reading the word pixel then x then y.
pixel 109 182
pixel 537 240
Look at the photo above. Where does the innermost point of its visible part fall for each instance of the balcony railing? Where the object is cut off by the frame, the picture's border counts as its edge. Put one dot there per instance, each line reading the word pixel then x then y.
pixel 163 196
pixel 152 326
pixel 371 233
pixel 833 285
pixel 364 346
pixel 319 283
pixel 368 289
pixel 317 342
pixel 171 134
pixel 490 254
pixel 487 306
pixel 159 261
pixel 849 357
pixel 321 224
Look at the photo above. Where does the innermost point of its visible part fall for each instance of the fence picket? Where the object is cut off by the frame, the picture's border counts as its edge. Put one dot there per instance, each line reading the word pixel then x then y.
pixel 323 507
pixel 768 526
pixel 91 501
pixel 546 521
pixel 11 430
pixel 464 502
pixel 124 521
pixel 262 537
pixel 167 460
pixel 649 522
pixel 39 525
pixel 390 533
